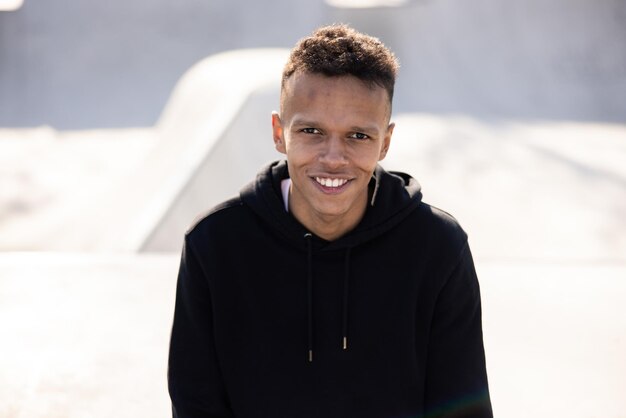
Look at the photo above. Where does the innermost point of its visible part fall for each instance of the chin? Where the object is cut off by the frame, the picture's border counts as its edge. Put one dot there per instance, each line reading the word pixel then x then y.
pixel 333 210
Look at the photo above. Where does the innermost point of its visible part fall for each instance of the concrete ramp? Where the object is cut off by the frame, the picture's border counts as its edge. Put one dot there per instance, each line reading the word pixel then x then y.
pixel 139 189
pixel 213 136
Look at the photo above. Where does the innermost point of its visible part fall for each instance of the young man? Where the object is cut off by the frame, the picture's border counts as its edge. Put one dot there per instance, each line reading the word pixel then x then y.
pixel 327 288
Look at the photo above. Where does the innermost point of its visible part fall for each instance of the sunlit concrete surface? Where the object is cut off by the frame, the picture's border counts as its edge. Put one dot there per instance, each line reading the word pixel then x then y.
pixel 54 183
pixel 555 338
pixel 213 138
pixel 87 336
pixel 10 5
pixel 522 190
pixel 364 4
pixel 139 189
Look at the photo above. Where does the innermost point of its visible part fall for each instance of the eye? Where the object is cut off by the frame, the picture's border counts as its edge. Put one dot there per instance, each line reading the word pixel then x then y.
pixel 359 135
pixel 310 131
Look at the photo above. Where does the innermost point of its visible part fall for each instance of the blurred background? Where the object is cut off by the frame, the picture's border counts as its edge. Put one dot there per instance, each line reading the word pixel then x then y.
pixel 121 122
pixel 111 65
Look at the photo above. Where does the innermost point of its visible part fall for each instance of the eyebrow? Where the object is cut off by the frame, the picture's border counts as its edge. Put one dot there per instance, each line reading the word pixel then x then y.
pixel 354 128
pixel 364 129
pixel 297 121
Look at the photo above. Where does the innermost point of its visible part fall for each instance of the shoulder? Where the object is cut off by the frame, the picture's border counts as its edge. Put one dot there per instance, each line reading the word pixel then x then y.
pixel 222 217
pixel 436 236
pixel 436 224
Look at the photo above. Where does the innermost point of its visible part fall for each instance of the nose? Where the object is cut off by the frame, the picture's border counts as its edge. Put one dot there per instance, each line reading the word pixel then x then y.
pixel 333 154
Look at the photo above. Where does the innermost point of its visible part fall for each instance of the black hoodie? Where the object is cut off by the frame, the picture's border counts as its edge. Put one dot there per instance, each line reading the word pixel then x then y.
pixel 274 322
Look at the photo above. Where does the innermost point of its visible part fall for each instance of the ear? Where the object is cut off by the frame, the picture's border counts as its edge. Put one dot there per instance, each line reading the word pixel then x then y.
pixel 277 130
pixel 386 141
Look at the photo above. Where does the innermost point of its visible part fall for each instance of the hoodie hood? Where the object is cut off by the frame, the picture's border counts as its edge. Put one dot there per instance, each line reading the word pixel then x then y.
pixel 393 196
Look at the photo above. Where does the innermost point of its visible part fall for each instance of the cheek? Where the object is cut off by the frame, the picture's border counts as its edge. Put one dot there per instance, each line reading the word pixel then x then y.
pixel 366 160
pixel 300 151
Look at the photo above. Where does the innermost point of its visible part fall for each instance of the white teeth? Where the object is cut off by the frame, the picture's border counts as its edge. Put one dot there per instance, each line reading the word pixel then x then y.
pixel 327 182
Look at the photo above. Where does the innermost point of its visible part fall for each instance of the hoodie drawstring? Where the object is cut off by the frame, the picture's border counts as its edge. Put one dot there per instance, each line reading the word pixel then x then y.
pixel 309 290
pixel 346 279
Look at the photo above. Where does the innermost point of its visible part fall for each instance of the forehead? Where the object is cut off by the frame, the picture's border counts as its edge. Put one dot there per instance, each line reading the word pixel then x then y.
pixel 309 90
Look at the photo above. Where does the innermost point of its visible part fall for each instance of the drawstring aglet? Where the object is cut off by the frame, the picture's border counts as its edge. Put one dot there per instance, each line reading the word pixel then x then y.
pixel 310 356
pixel 345 343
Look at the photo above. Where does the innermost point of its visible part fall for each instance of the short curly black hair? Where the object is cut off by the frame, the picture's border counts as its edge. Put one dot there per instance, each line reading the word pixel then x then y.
pixel 338 50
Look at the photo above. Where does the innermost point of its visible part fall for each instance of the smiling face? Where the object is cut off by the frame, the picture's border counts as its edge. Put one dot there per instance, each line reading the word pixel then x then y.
pixel 333 130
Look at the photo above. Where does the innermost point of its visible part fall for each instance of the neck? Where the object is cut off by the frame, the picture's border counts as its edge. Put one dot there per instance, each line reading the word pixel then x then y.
pixel 331 230
pixel 329 227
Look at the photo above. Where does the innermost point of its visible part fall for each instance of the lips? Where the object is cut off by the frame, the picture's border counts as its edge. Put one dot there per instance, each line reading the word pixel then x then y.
pixel 331 182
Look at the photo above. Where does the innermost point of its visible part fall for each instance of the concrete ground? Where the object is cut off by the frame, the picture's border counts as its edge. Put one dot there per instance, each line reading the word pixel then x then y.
pixel 525 190
pixel 87 336
pixel 52 181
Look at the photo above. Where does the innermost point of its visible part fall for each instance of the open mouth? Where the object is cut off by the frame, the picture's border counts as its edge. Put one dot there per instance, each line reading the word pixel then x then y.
pixel 331 183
